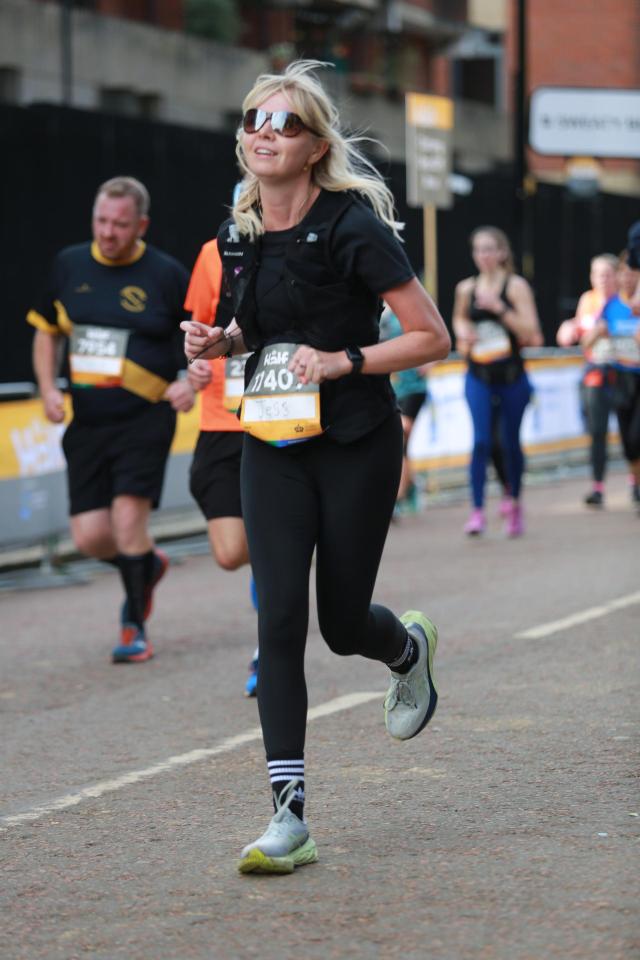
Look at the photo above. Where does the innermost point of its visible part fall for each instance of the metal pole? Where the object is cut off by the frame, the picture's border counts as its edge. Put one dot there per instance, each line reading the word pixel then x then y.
pixel 430 241
pixel 66 54
pixel 520 135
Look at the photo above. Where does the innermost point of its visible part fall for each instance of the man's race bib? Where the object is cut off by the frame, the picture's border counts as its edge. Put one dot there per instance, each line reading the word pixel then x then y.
pixel 492 344
pixel 96 356
pixel 234 382
pixel 276 407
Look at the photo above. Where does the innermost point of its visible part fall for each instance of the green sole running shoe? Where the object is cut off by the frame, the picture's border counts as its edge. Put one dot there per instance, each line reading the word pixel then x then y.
pixel 412 697
pixel 284 845
pixel 255 861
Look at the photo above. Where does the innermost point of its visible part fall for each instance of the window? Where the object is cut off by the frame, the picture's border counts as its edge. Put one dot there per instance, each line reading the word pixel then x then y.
pixel 475 80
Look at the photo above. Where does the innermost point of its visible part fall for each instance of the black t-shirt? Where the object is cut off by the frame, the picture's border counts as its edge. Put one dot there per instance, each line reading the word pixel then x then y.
pixel 365 252
pixel 141 304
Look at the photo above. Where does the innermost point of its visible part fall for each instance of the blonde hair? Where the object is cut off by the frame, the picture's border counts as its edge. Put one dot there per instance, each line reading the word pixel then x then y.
pixel 608 258
pixel 502 243
pixel 343 166
pixel 126 187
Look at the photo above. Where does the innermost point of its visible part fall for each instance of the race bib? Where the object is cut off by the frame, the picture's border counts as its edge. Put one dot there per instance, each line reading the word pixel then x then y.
pixel 627 352
pixel 623 326
pixel 276 407
pixel 492 344
pixel 602 351
pixel 96 356
pixel 234 382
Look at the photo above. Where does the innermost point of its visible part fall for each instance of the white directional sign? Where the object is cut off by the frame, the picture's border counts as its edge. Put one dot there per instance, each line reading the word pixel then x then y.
pixel 570 121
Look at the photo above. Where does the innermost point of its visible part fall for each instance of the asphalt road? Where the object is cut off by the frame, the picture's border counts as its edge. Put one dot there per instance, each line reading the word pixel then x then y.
pixel 508 829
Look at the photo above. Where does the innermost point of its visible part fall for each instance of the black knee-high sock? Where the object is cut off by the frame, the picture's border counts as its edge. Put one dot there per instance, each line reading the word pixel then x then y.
pixel 136 574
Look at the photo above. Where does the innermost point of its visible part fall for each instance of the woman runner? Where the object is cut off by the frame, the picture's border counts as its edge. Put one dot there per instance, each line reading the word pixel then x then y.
pixel 494 315
pixel 309 252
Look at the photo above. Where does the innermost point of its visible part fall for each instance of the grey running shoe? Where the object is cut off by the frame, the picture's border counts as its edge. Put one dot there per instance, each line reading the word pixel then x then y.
pixel 412 697
pixel 283 846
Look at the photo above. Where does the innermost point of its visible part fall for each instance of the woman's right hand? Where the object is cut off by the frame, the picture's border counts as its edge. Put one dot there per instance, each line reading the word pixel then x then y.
pixel 203 341
pixel 466 336
pixel 567 334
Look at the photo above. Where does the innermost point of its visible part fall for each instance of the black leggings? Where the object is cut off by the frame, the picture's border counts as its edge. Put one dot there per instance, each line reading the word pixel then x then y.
pixel 597 404
pixel 338 499
pixel 628 412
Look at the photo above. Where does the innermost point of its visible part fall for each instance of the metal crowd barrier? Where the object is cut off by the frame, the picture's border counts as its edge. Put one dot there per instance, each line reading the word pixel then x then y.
pixel 33 495
pixel 34 519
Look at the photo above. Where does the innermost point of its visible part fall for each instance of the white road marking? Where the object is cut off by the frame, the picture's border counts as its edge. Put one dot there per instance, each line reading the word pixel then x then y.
pixel 346 702
pixel 556 626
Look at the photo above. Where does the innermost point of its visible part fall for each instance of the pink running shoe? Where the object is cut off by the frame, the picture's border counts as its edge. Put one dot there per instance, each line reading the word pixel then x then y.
pixel 515 522
pixel 504 510
pixel 475 524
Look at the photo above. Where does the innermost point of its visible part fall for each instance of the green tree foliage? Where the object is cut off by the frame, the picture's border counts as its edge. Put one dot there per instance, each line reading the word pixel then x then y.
pixel 213 19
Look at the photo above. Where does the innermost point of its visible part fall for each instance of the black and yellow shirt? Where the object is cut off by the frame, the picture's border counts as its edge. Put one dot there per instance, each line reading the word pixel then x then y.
pixel 121 321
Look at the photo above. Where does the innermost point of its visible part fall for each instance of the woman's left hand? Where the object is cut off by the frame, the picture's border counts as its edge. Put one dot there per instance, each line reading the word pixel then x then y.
pixel 315 366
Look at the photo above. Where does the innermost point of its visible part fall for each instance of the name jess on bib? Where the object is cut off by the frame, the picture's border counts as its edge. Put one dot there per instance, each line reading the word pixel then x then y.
pixel 276 406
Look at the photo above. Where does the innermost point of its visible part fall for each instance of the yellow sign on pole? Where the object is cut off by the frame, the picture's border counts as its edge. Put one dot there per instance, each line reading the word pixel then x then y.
pixel 424 110
pixel 429 122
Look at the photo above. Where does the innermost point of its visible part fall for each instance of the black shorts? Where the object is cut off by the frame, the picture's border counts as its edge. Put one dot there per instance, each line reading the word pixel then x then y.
pixel 411 404
pixel 214 479
pixel 124 458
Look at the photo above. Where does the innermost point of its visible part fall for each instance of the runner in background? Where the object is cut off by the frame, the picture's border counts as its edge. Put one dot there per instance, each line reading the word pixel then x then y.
pixel 215 469
pixel 494 316
pixel 625 329
pixel 116 303
pixel 410 388
pixel 598 382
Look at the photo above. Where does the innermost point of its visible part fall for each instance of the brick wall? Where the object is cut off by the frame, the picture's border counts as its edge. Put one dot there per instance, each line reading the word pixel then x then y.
pixel 581 43
pixel 161 13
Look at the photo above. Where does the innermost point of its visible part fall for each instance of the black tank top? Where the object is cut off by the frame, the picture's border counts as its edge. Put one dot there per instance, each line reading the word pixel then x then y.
pixel 498 357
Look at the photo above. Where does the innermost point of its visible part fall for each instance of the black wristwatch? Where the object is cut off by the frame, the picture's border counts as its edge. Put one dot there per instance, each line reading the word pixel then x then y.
pixel 356 356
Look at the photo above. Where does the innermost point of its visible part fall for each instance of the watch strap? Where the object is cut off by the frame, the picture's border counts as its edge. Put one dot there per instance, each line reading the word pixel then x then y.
pixel 356 356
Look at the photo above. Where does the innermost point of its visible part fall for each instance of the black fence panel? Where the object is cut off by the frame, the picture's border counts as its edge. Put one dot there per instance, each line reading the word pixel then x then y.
pixel 54 158
pixel 568 231
pixel 491 202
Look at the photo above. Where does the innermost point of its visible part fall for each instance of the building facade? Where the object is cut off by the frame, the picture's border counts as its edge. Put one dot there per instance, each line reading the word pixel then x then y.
pixel 138 58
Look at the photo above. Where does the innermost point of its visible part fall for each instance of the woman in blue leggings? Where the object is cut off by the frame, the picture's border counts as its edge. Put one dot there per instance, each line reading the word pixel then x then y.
pixel 495 315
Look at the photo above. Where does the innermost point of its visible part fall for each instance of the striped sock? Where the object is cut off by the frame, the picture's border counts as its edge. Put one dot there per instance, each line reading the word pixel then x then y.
pixel 407 658
pixel 281 773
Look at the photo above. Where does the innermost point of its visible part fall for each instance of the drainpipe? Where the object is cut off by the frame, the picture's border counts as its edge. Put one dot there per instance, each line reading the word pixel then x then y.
pixel 66 58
